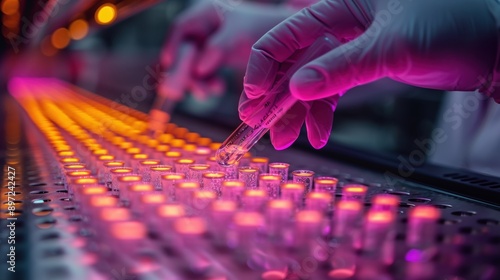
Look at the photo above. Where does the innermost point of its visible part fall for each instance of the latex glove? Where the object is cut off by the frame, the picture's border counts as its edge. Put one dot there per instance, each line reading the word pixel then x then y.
pixel 223 35
pixel 445 44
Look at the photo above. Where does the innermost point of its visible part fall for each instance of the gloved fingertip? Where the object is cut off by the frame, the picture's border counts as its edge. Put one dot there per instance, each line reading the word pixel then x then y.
pixel 307 84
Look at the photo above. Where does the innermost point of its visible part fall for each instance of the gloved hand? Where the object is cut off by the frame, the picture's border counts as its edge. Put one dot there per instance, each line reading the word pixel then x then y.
pixel 445 44
pixel 223 35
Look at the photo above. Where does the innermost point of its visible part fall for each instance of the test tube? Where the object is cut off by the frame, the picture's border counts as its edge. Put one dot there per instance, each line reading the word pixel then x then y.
pixel 308 226
pixel 200 201
pixel 124 184
pixel 71 175
pixel 293 191
pixel 96 202
pixel 184 190
pixel 220 215
pixel 168 181
pixel 212 181
pixel 188 150
pixel 182 165
pixel 148 203
pixel 84 194
pixel 190 246
pixel 214 166
pixel 421 242
pixel 280 168
pixel 304 176
pixel 277 102
pixel 232 171
pixel 253 200
pixel 245 239
pixel 196 171
pixel 354 192
pixel 108 215
pixel 163 222
pixel 156 172
pixel 115 172
pixel 249 175
pixel 279 213
pixel 100 161
pixel 232 190
pixel 81 182
pixel 104 175
pixel 129 237
pixel 325 184
pixel 378 237
pixel 177 144
pixel 135 191
pixel 260 163
pixel 319 201
pixel 345 233
pixel 144 170
pixel 270 183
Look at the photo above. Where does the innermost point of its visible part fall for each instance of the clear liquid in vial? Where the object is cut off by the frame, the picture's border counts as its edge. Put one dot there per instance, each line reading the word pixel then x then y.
pixel 229 155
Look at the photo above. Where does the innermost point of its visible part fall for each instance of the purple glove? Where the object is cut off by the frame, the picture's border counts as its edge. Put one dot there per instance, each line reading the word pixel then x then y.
pixel 445 44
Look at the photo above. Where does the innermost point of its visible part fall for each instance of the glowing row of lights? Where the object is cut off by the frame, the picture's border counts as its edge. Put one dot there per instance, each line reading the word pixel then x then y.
pixel 78 29
pixel 11 16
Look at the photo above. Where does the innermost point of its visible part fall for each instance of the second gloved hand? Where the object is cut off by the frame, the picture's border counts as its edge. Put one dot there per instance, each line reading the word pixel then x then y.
pixel 445 44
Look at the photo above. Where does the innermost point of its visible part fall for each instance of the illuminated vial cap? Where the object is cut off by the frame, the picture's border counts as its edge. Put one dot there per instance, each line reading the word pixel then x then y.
pixel 280 204
pixel 355 189
pixel 173 176
pixel 188 185
pixel 376 216
pixel 214 175
pixel 303 173
pixel 326 180
pixel 94 190
pixel 202 151
pixel 197 167
pixel 74 166
pixel 121 170
pixel 233 184
pixel 185 161
pixel 133 150
pixel 293 186
pixel 70 160
pixel 161 168
pixel 270 177
pixel 171 210
pixel 130 178
pixel 248 219
pixel 173 154
pixel 105 157
pixel 103 201
pixel 190 225
pixel 85 181
pixel 248 169
pixel 320 196
pixel 141 188
pixel 189 147
pixel 351 205
pixel 255 193
pixel 308 216
pixel 114 164
pixel 66 153
pixel 115 214
pixel 128 230
pixel 425 212
pixel 78 173
pixel 277 165
pixel 153 198
pixel 140 156
pixel 149 162
pixel 224 206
